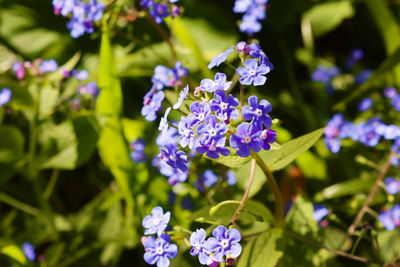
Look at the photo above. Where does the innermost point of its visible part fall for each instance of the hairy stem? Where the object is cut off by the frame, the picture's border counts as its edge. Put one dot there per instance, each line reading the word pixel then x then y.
pixel 279 208
pixel 246 193
pixel 371 196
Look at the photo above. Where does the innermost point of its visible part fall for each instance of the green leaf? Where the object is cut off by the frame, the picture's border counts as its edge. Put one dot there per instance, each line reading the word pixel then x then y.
pixel 109 101
pixel 389 242
pixel 11 144
pixel 300 218
pixel 325 17
pixel 232 161
pixel 133 129
pixel 350 187
pixel 264 250
pixel 307 159
pixel 14 252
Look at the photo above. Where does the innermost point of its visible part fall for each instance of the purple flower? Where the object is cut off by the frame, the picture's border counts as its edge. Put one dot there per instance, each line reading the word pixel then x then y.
pixel 213 148
pixel 362 77
pixel 254 10
pixel 390 92
pixel 150 110
pixel 161 77
pixel 366 132
pixel 242 6
pixel 89 89
pixel 320 211
pixel 219 83
pixel 163 127
pixel 355 56
pixel 253 73
pixel 182 96
pixel 157 222
pixel 365 104
pixel 208 178
pixel 174 158
pixel 5 96
pixel 268 137
pixel 250 25
pixel 200 110
pixel 137 153
pixel 198 243
pixel 325 75
pixel 257 112
pixel 185 128
pixel 170 137
pixel 224 106
pixel 332 133
pixel 179 72
pixel 389 132
pixel 212 130
pixel 159 251
pixel 255 51
pixel 29 251
pixel 18 69
pixel 390 218
pixel 225 243
pixel 48 66
pixel 247 138
pixel 231 177
pixel 80 75
pixel 147 3
pixel 159 12
pixel 395 102
pixel 94 10
pixel 77 27
pixel 218 59
pixel 392 185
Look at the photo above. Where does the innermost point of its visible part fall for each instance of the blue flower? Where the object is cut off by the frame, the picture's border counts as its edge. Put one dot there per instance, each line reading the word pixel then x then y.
pixel 29 251
pixel 395 102
pixel 199 243
pixel 355 56
pixel 182 96
pixel 77 28
pixel 159 251
pixel 390 92
pixel 219 83
pixel 185 128
pixel 362 77
pixel 325 75
pixel 254 10
pixel 366 133
pixel 225 243
pixel 147 3
pixel 208 178
pixel 218 59
pixel 257 112
pixel 80 75
pixel 389 132
pixel 150 110
pixel 224 106
pixel 18 69
pixel 268 137
pixel 48 66
pixel 163 127
pixel 231 177
pixel 390 218
pixel 333 133
pixel 159 12
pixel 212 130
pixel 320 211
pixel 179 71
pixel 242 6
pixel 174 158
pixel 94 10
pixel 213 148
pixel 253 73
pixel 170 137
pixel 365 104
pixel 137 153
pixel 247 138
pixel 161 77
pixel 5 96
pixel 200 110
pixel 392 185
pixel 89 89
pixel 255 51
pixel 157 222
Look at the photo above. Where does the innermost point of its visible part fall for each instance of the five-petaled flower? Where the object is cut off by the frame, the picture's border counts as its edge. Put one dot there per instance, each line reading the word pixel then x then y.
pixel 157 222
pixel 257 112
pixel 247 138
pixel 159 251
pixel 225 243
pixel 253 73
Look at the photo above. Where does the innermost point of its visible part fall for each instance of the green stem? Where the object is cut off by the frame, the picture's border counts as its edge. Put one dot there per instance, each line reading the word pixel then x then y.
pixel 279 208
pixel 52 183
pixel 357 242
pixel 18 204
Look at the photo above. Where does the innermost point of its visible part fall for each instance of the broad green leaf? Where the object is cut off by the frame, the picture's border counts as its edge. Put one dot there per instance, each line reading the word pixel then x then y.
pixel 11 144
pixel 300 218
pixel 350 187
pixel 307 159
pixel 109 101
pixel 14 252
pixel 264 250
pixel 389 243
pixel 233 160
pixel 48 100
pixel 327 16
pixel 133 129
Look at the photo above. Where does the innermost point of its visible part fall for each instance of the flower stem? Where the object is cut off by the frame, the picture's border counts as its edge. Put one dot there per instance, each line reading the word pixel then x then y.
pixel 246 193
pixel 279 209
pixel 241 95
pixel 371 196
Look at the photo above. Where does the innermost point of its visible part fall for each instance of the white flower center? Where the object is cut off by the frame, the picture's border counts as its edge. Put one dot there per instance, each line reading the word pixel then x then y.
pixel 201 117
pixel 213 132
pixel 212 147
pixel 247 139
pixel 172 158
pixel 224 105
pixel 252 72
pixel 156 221
pixel 159 250
pixel 258 112
pixel 224 243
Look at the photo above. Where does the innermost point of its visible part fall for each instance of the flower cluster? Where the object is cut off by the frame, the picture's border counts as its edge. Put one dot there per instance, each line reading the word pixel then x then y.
pixel 325 75
pixel 5 96
pixel 161 10
pixel 253 12
pixel 394 97
pixel 223 246
pixel 208 178
pixel 320 212
pixel 163 77
pixel 392 185
pixel 82 15
pixel 137 150
pixel 37 68
pixel 158 250
pixel 390 218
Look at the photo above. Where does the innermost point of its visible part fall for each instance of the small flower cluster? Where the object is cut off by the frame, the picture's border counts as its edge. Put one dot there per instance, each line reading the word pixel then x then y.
pixel 158 250
pixel 163 77
pixel 208 178
pixel 5 96
pixel 162 9
pixel 223 246
pixel 320 212
pixel 394 97
pixel 326 75
pixel 38 67
pixel 253 12
pixel 392 185
pixel 137 150
pixel 82 15
pixel 390 218
pixel 368 133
